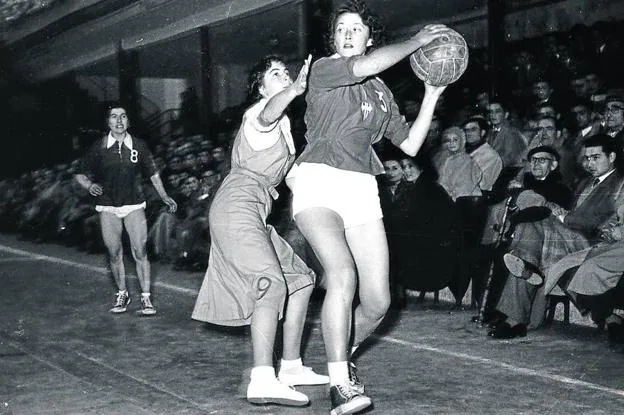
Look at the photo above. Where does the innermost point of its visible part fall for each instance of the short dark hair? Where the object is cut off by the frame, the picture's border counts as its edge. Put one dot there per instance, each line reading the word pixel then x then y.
pixel 483 125
pixel 115 104
pixel 608 143
pixel 257 74
pixel 370 19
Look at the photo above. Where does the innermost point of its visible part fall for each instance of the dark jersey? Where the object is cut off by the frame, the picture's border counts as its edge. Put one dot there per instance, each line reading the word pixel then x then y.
pixel 119 170
pixel 346 115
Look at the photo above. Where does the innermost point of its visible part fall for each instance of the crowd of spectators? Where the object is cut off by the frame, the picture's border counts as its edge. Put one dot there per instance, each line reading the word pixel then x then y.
pixel 552 137
pixel 442 208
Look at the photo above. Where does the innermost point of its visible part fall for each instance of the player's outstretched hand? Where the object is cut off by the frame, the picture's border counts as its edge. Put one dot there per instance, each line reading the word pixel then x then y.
pixel 301 82
pixel 428 33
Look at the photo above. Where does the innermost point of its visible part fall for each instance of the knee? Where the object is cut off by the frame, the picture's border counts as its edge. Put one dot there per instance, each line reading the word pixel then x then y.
pixel 115 253
pixel 376 307
pixel 139 253
pixel 340 281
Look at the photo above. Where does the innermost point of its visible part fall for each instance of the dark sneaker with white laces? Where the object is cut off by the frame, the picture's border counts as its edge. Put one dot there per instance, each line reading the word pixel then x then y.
pixel 354 380
pixel 147 309
pixel 346 400
pixel 122 299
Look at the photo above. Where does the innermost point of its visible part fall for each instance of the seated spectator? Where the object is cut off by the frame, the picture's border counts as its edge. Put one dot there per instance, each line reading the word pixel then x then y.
pixel 592 278
pixel 547 134
pixel 614 118
pixel 506 139
pixel 222 164
pixel 543 93
pixel 582 126
pixel 161 235
pixel 192 235
pixel 458 173
pixel 483 154
pixel 595 87
pixel 421 225
pixel 536 246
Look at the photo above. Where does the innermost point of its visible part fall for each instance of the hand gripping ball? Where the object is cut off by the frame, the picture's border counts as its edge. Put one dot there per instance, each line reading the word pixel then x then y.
pixel 441 61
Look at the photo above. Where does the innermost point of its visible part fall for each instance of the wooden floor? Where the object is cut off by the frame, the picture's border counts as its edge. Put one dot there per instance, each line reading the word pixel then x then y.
pixel 62 352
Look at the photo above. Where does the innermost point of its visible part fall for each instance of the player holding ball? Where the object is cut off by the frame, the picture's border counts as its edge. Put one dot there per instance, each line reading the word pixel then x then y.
pixel 335 198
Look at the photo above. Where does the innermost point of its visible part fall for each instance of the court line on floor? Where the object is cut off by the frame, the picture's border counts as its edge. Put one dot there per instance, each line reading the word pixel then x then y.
pixel 507 366
pixel 100 270
pixel 388 339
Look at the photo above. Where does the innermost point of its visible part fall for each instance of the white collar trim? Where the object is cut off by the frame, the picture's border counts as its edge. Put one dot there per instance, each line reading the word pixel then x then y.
pixel 112 140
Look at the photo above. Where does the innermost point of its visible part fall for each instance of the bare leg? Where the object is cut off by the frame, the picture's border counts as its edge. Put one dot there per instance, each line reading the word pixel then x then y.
pixel 324 230
pixel 263 330
pixel 112 227
pixel 136 226
pixel 294 322
pixel 370 250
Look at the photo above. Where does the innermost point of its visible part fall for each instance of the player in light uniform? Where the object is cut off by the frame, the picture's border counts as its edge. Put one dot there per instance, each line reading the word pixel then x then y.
pixel 252 270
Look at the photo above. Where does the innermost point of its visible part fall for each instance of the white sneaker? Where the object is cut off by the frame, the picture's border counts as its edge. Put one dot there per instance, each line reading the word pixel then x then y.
pixel 303 375
pixel 274 392
pixel 147 309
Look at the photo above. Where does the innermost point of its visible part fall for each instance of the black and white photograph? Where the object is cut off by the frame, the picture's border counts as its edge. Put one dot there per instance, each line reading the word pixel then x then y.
pixel 312 207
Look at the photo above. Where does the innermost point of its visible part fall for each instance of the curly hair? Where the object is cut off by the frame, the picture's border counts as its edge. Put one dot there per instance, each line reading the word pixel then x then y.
pixel 370 19
pixel 256 75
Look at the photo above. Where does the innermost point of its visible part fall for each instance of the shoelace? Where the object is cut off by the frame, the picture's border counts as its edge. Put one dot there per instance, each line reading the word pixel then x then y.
pixel 347 391
pixel 121 300
pixel 353 377
pixel 147 303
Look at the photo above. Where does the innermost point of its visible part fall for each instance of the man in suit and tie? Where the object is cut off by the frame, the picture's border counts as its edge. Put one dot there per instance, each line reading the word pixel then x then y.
pixel 538 245
pixel 583 126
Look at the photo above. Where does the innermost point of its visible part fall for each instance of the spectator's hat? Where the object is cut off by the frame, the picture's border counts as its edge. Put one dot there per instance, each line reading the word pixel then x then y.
pixel 544 149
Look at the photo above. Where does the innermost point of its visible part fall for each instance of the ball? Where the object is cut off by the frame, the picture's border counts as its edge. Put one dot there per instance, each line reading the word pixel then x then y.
pixel 441 61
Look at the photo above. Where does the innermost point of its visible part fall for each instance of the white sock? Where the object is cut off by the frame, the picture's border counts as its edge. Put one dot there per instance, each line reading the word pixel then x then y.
pixel 122 292
pixel 145 294
pixel 262 373
pixel 338 372
pixel 291 364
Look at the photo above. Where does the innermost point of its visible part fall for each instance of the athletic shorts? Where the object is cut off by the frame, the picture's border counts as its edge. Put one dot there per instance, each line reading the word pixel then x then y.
pixel 352 195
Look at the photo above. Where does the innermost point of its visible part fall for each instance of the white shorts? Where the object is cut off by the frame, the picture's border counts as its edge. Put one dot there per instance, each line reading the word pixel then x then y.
pixel 352 195
pixel 120 211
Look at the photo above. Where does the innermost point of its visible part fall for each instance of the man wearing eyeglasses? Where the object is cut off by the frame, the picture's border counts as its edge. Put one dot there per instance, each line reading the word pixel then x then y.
pixel 538 245
pixel 613 123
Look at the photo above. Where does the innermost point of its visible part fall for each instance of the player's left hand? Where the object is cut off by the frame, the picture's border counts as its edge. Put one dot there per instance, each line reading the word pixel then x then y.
pixel 171 204
pixel 301 82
